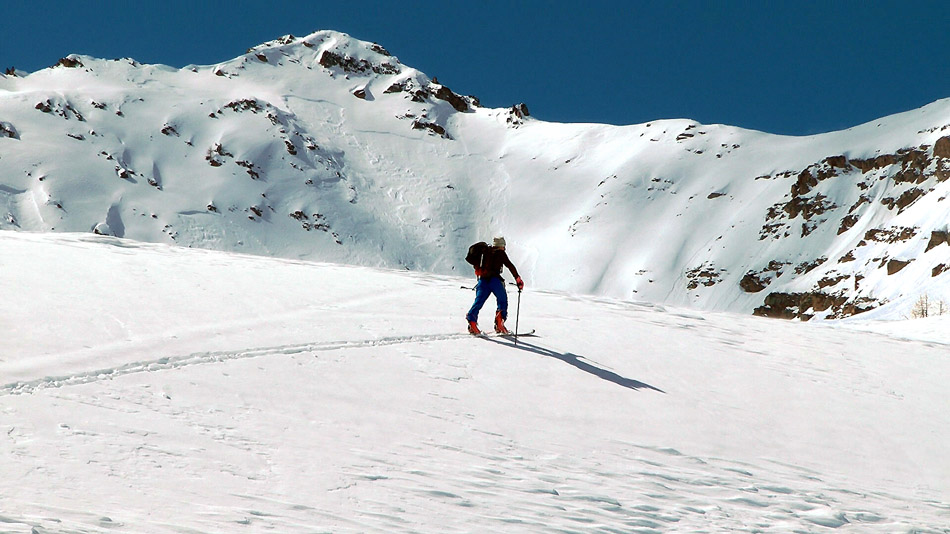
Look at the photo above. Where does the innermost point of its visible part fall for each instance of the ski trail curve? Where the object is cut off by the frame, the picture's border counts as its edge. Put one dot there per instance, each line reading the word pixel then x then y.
pixel 197 358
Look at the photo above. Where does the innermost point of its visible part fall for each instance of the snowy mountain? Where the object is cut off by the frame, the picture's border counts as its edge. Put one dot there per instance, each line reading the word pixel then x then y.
pixel 329 148
pixel 160 389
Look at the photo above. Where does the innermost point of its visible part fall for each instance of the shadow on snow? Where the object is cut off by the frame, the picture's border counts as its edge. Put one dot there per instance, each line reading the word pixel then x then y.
pixel 578 362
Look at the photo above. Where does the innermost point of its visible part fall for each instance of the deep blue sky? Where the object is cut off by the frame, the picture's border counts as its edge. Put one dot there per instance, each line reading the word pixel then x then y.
pixel 790 67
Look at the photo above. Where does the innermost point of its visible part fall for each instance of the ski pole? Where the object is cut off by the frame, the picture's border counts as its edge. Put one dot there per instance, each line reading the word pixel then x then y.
pixel 517 315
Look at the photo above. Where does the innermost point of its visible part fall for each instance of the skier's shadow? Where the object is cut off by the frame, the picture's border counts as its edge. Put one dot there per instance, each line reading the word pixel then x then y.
pixel 577 362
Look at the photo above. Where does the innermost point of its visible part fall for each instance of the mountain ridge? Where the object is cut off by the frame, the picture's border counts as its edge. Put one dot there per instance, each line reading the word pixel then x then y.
pixel 328 148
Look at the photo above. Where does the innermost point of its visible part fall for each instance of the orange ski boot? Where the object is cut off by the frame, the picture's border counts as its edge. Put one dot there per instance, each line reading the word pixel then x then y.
pixel 473 328
pixel 500 324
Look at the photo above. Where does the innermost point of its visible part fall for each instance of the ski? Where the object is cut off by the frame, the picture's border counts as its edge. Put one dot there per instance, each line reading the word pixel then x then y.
pixel 529 333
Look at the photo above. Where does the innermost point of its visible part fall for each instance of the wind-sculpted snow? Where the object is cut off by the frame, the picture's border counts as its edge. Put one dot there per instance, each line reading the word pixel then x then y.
pixel 151 388
pixel 328 148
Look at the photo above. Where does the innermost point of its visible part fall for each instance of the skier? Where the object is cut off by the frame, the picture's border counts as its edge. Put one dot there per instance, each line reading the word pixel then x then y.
pixel 488 270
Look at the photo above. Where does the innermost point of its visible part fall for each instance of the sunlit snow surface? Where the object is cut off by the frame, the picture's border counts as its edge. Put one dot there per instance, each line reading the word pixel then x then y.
pixel 148 388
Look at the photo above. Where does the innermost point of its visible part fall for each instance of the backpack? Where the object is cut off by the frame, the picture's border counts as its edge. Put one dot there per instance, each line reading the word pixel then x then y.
pixel 476 253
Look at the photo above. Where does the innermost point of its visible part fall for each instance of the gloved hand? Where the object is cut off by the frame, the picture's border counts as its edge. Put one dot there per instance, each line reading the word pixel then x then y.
pixel 520 283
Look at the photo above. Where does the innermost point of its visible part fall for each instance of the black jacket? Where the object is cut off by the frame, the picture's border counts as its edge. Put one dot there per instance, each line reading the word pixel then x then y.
pixel 493 262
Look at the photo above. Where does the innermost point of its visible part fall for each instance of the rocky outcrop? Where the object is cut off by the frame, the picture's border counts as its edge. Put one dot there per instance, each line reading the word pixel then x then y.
pixel 910 166
pixel 60 107
pixel 756 281
pixel 847 223
pixel 330 59
pixel 706 275
pixel 904 200
pixel 517 114
pixel 803 306
pixel 879 162
pixel 435 90
pixel 397 87
pixel 458 102
pixel 942 147
pixel 753 283
pixel 216 154
pixel 70 62
pixel 831 281
pixel 937 237
pixel 246 104
pixel 461 103
pixel 894 266
pixel 891 235
pixel 7 130
pixel 896 181
pixel 431 127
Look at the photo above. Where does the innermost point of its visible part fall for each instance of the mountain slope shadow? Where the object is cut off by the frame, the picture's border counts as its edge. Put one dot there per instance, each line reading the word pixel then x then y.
pixel 577 361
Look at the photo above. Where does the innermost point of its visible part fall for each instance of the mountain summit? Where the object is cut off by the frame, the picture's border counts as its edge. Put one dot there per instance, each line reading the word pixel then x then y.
pixel 328 148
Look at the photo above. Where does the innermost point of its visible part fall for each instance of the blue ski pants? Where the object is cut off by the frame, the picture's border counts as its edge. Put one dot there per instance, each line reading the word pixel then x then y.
pixel 485 287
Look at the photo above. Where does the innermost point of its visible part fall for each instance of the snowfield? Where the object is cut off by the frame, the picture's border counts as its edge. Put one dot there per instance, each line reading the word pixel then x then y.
pixel 153 388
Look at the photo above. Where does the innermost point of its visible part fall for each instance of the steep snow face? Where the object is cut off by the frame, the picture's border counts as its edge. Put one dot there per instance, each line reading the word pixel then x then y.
pixel 327 147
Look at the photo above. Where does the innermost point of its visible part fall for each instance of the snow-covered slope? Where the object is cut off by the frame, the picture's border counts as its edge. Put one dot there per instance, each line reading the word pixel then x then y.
pixel 150 388
pixel 329 148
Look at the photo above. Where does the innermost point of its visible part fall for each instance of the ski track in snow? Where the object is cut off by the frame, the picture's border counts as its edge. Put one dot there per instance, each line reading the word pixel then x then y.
pixel 175 362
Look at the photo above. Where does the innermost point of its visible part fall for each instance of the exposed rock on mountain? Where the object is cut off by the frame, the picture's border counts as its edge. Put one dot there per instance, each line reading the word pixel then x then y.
pixel 7 130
